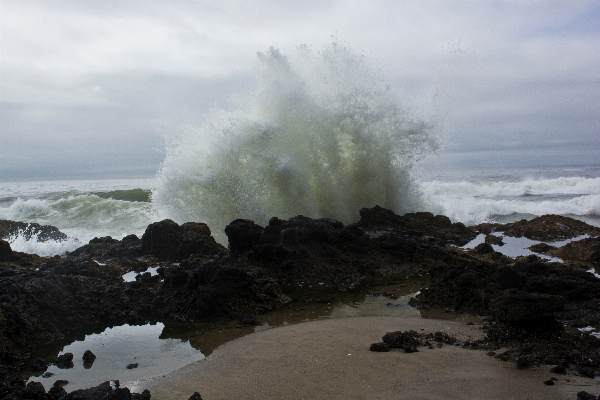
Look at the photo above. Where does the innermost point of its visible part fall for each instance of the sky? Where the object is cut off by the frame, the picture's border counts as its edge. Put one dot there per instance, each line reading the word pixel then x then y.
pixel 90 89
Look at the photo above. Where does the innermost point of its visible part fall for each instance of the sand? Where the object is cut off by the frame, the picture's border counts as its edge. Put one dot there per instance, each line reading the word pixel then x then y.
pixel 330 359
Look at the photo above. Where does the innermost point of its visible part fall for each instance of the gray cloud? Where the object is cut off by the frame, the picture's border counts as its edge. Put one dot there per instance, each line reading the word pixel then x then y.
pixel 85 84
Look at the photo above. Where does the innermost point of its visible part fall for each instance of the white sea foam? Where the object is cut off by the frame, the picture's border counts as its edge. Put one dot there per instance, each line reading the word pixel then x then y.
pixel 33 245
pixel 322 136
pixel 476 202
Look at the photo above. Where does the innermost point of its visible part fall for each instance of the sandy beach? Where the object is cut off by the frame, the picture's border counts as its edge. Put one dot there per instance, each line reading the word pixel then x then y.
pixel 330 359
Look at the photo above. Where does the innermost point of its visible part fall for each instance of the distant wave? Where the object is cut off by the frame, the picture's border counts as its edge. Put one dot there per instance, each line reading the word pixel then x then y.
pixel 139 195
pixel 85 216
pixel 567 186
pixel 476 202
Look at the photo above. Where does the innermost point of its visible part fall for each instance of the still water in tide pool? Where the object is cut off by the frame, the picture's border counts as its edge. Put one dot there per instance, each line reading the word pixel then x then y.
pixel 159 349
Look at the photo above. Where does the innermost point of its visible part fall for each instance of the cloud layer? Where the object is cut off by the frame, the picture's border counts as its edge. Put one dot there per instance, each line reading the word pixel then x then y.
pixel 84 85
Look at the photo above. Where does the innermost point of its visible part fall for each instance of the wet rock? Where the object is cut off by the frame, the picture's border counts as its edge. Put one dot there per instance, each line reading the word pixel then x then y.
pixel 588 372
pixel 47 374
pixel 6 253
pixel 39 365
pixel 36 387
pixel 560 369
pixel 524 363
pixel 542 248
pixel 104 391
pixel 379 347
pixel 484 248
pixel 586 250
pixel 88 356
pixel 42 233
pixel 244 234
pixel 57 392
pixel 515 306
pixel 423 222
pixel 132 366
pixel 169 241
pixel 60 383
pixel 549 382
pixel 492 239
pixel 64 360
pixel 195 396
pixel 583 395
pixel 550 228
pixel 145 395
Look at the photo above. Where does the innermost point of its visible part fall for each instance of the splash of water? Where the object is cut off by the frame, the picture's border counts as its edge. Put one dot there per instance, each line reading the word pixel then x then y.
pixel 322 136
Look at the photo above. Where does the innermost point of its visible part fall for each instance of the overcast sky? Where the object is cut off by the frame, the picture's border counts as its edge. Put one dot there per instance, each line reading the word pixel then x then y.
pixel 85 85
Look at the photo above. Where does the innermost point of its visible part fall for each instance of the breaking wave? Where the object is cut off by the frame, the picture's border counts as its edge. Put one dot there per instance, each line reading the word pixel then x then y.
pixel 476 202
pixel 322 136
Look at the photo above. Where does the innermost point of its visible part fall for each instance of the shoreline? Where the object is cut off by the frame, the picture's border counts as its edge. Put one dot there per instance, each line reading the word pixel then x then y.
pixel 330 359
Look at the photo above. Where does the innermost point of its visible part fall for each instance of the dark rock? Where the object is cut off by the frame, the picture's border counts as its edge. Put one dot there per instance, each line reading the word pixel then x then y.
pixel 88 356
pixel 105 391
pixel 57 392
pixel 586 396
pixel 244 234
pixel 132 366
pixel 493 239
pixel 103 240
pixel 549 382
pixel 64 361
pixel 515 306
pixel 524 363
pixel 42 233
pixel 145 395
pixel 195 396
pixel 379 347
pixel 541 248
pixel 6 253
pixel 410 349
pixel 47 374
pixel 35 387
pixel 588 372
pixel 39 365
pixel 550 228
pixel 484 248
pixel 60 383
pixel 169 241
pixel 560 369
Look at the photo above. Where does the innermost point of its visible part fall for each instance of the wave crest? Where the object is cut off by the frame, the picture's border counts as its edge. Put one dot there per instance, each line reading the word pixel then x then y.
pixel 321 137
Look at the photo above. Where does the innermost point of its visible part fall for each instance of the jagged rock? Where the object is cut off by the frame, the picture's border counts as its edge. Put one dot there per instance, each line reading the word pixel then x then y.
pixel 420 223
pixel 243 235
pixel 43 233
pixel 583 395
pixel 64 360
pixel 6 253
pixel 549 228
pixel 515 306
pixel 88 356
pixel 484 248
pixel 167 240
pixel 105 391
pixel 132 366
pixel 39 365
pixel 195 396
pixel 492 239
pixel 379 347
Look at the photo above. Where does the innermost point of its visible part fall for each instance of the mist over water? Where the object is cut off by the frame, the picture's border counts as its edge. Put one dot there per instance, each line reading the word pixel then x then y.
pixel 321 136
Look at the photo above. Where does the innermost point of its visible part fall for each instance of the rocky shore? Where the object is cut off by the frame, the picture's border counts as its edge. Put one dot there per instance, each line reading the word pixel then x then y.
pixel 533 308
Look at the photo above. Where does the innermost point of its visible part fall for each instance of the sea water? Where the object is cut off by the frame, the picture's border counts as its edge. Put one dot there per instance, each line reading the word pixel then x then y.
pixel 321 135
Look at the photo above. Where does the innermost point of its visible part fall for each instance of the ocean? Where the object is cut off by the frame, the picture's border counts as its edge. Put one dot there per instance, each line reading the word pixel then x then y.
pixel 84 209
pixel 322 136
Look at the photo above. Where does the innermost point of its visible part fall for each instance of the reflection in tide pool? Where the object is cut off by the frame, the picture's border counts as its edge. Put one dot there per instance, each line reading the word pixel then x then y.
pixel 117 347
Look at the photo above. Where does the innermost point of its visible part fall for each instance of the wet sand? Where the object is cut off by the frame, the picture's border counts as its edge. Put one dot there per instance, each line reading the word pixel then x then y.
pixel 330 359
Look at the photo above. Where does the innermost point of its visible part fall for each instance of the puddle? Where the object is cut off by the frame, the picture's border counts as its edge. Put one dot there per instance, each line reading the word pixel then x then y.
pixel 519 246
pixel 130 276
pixel 160 349
pixel 117 347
